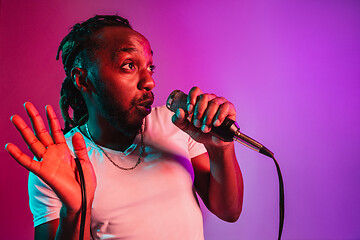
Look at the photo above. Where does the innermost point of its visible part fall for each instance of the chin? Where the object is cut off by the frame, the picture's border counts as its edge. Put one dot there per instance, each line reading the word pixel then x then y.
pixel 132 124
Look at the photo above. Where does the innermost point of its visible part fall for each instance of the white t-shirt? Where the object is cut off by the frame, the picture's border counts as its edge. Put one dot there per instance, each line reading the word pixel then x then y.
pixel 156 200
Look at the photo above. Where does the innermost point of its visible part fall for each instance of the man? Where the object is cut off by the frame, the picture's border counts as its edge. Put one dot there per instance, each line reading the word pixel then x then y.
pixel 141 171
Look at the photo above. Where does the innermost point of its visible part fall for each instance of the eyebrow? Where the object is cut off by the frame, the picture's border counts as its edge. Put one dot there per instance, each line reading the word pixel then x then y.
pixel 129 50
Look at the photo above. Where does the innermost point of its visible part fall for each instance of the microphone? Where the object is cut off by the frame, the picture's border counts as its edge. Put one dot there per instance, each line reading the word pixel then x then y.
pixel 228 131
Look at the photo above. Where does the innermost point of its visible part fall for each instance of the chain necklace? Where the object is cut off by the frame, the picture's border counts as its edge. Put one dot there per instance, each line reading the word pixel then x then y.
pixel 122 168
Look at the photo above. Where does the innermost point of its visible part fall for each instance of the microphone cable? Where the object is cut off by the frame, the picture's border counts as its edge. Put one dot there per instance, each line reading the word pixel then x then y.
pixel 83 198
pixel 251 143
pixel 281 198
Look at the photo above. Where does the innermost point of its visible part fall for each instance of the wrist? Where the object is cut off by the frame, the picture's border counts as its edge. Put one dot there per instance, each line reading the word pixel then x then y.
pixel 228 146
pixel 221 154
pixel 70 225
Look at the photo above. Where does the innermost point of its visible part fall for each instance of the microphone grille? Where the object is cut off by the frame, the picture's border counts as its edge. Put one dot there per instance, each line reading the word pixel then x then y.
pixel 177 99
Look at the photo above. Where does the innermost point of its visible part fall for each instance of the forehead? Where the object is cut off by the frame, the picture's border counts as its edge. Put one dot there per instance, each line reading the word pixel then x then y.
pixel 117 38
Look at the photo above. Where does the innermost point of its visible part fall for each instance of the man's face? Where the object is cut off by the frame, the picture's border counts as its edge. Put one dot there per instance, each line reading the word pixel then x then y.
pixel 122 77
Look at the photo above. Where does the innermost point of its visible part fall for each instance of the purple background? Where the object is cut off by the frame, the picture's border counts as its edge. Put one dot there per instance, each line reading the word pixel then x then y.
pixel 290 67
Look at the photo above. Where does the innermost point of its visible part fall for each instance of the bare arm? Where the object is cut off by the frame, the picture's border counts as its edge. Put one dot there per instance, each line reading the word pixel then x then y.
pixel 63 228
pixel 219 183
pixel 218 178
pixel 57 168
pixel 46 230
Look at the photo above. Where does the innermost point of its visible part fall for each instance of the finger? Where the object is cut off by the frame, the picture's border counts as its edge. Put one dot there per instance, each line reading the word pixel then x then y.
pixel 210 112
pixel 55 128
pixel 81 153
pixel 23 159
pixel 35 146
pixel 80 147
pixel 226 109
pixel 179 119
pixel 192 97
pixel 38 125
pixel 87 168
pixel 200 107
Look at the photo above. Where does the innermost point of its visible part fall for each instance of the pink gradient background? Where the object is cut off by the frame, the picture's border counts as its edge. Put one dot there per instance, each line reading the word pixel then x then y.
pixel 290 67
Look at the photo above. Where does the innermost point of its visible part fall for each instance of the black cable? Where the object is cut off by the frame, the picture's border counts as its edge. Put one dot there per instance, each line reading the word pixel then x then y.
pixel 267 152
pixel 83 199
pixel 281 198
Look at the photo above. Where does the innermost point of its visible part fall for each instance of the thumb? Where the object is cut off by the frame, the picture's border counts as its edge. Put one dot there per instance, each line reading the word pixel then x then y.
pixel 81 153
pixel 80 147
pixel 179 119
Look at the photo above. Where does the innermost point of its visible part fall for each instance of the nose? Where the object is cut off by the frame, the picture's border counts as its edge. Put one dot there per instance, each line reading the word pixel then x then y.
pixel 146 81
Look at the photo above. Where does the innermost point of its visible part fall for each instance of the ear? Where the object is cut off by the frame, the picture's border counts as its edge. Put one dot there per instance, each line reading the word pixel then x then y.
pixel 79 78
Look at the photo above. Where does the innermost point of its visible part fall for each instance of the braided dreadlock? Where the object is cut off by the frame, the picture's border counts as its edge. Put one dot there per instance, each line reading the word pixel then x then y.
pixel 76 49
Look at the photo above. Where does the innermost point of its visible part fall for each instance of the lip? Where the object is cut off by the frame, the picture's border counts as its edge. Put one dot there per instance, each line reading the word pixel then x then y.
pixel 146 103
pixel 145 110
pixel 145 106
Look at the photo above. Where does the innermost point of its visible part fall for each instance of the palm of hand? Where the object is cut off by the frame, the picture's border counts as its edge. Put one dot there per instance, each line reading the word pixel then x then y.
pixel 58 169
pixel 57 166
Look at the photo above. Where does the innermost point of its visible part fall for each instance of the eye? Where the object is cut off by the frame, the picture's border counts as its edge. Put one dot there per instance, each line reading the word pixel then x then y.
pixel 128 66
pixel 151 68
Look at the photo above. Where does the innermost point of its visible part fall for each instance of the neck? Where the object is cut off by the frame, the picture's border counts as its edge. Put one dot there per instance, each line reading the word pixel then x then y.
pixel 105 134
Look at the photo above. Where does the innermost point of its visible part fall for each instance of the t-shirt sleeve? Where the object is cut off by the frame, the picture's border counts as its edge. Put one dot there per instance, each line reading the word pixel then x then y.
pixel 195 148
pixel 44 203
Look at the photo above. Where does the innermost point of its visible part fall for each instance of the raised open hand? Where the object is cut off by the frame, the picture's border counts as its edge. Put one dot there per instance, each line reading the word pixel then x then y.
pixel 56 165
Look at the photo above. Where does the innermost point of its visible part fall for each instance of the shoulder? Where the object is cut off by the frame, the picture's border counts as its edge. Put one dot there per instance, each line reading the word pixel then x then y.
pixel 160 113
pixel 160 131
pixel 159 120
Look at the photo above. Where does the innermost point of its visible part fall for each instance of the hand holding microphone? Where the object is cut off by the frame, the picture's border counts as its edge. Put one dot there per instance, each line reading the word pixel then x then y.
pixel 212 111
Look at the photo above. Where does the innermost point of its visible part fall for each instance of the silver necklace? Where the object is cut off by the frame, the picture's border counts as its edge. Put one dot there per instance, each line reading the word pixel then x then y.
pixel 122 168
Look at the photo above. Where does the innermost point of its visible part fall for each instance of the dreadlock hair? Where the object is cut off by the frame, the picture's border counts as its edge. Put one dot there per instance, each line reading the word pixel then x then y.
pixel 77 48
